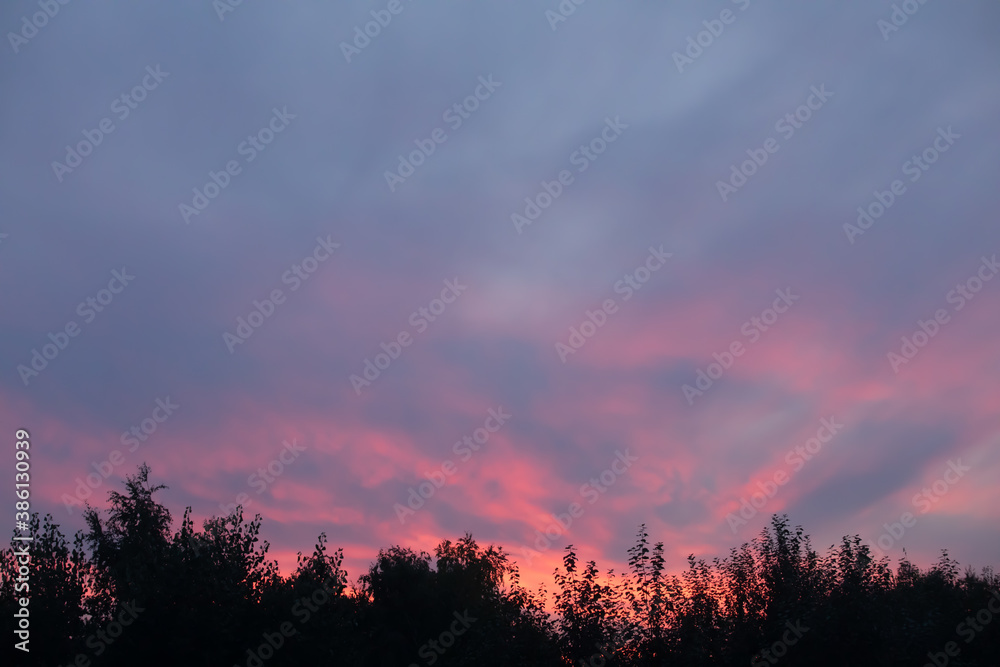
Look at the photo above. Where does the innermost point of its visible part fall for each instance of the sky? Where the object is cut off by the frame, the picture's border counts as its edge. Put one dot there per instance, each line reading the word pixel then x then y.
pixel 537 271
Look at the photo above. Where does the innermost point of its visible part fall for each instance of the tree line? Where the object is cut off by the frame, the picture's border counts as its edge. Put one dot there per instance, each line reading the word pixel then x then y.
pixel 133 589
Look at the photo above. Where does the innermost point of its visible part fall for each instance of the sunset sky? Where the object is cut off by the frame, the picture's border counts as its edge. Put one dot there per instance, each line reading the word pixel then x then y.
pixel 568 330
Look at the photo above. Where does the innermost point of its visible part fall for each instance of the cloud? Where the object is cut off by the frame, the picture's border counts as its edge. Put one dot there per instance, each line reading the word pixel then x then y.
pixel 495 346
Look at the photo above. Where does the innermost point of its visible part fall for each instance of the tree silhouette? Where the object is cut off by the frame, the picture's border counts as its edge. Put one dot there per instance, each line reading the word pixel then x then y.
pixel 129 591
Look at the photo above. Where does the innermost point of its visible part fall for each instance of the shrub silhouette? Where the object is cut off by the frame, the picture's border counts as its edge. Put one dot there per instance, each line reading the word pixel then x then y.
pixel 211 597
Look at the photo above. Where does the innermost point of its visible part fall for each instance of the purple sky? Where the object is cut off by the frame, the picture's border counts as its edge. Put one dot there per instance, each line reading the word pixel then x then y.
pixel 650 256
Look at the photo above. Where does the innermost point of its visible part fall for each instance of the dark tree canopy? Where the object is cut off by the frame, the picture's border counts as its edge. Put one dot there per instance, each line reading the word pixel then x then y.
pixel 129 591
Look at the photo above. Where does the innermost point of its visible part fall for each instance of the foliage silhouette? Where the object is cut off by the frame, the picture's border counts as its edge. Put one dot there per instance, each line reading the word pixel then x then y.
pixel 211 597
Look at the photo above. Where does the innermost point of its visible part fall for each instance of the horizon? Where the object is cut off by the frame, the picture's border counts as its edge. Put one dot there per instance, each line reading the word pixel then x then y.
pixel 532 577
